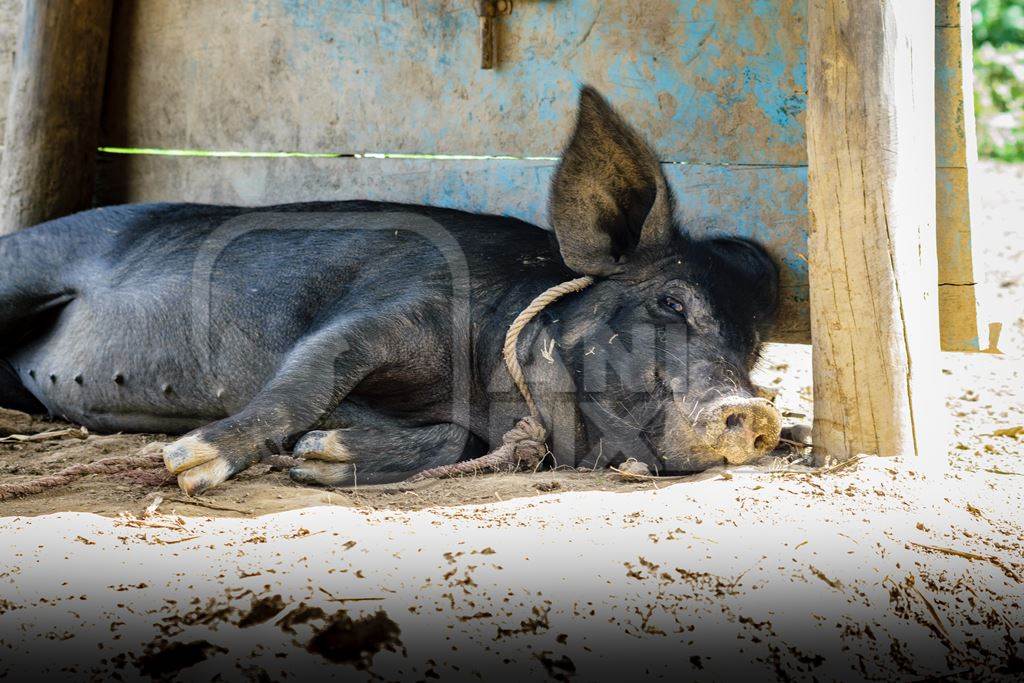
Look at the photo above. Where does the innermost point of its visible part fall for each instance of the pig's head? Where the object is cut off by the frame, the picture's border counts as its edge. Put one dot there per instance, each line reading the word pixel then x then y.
pixel 664 341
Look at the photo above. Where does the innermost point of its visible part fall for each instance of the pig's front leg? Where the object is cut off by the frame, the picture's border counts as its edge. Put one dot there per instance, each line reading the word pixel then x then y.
pixel 379 454
pixel 310 383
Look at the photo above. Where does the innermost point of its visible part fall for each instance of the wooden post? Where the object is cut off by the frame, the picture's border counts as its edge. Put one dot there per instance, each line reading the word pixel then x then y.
pixel 53 114
pixel 956 150
pixel 873 278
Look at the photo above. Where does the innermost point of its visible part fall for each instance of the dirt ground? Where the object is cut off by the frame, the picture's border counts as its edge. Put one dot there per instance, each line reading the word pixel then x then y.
pixel 260 490
pixel 887 568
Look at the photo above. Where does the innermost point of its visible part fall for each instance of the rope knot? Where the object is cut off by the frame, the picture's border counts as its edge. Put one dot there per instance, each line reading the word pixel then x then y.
pixel 527 441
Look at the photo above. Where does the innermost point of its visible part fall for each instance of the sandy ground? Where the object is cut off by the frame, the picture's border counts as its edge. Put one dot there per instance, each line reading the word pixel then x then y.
pixel 884 569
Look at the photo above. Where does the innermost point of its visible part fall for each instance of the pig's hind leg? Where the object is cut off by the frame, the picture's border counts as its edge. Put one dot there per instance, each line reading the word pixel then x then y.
pixel 313 379
pixel 379 455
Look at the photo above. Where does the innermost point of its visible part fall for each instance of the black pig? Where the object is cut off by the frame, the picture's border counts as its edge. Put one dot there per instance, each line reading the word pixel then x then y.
pixel 366 337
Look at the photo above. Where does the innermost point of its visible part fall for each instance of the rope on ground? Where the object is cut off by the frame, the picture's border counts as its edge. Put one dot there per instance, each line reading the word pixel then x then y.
pixel 282 462
pixel 524 444
pixel 148 459
pixel 144 469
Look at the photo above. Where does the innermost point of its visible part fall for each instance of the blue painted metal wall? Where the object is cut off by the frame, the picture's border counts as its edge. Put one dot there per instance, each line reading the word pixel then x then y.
pixel 719 86
pixel 711 81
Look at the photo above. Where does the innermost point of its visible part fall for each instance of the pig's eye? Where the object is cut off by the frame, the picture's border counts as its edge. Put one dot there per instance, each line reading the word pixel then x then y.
pixel 673 305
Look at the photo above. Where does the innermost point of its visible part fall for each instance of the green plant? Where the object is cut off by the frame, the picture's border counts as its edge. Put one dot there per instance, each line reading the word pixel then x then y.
pixel 998 22
pixel 999 77
pixel 999 101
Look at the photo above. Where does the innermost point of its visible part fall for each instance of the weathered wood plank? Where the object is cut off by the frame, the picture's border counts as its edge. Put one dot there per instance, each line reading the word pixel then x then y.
pixel 709 80
pixel 53 112
pixel 873 298
pixel 10 14
pixel 768 204
pixel 956 155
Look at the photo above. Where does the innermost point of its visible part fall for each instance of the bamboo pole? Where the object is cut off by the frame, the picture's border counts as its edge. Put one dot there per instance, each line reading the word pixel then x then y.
pixel 957 152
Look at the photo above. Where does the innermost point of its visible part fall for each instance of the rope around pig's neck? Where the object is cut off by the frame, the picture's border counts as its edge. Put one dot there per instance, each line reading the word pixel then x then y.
pixel 545 299
pixel 526 443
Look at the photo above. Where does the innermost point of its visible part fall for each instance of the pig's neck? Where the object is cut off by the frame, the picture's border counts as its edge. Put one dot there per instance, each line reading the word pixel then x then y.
pixel 551 358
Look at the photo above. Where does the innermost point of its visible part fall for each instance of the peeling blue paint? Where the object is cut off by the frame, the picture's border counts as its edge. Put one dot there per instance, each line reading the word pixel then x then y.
pixel 719 86
pixel 689 92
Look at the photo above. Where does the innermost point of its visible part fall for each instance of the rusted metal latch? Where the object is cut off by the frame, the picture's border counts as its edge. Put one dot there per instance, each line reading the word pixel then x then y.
pixel 489 11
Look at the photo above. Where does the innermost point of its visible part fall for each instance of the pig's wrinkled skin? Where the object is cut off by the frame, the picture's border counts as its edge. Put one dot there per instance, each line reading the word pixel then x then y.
pixel 366 337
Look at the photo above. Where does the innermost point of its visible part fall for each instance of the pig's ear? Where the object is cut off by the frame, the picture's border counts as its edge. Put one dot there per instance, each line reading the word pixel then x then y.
pixel 745 268
pixel 609 198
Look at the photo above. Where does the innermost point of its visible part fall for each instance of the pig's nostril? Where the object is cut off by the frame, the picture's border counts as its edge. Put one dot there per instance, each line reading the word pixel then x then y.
pixel 741 429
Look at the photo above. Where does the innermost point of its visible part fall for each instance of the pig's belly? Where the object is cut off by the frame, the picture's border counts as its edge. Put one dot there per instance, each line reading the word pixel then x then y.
pixel 123 363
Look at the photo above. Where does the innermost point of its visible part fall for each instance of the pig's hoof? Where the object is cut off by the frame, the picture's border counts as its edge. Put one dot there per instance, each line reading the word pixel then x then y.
pixel 799 433
pixel 317 473
pixel 633 468
pixel 198 464
pixel 205 476
pixel 188 452
pixel 322 445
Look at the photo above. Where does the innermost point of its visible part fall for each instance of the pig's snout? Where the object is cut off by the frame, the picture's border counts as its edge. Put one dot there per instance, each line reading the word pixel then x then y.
pixel 740 430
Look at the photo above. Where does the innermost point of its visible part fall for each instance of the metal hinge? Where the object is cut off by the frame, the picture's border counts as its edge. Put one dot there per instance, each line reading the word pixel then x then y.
pixel 489 11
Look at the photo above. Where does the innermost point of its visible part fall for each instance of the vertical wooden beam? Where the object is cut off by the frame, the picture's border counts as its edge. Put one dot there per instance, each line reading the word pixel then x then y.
pixel 956 151
pixel 53 113
pixel 871 157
